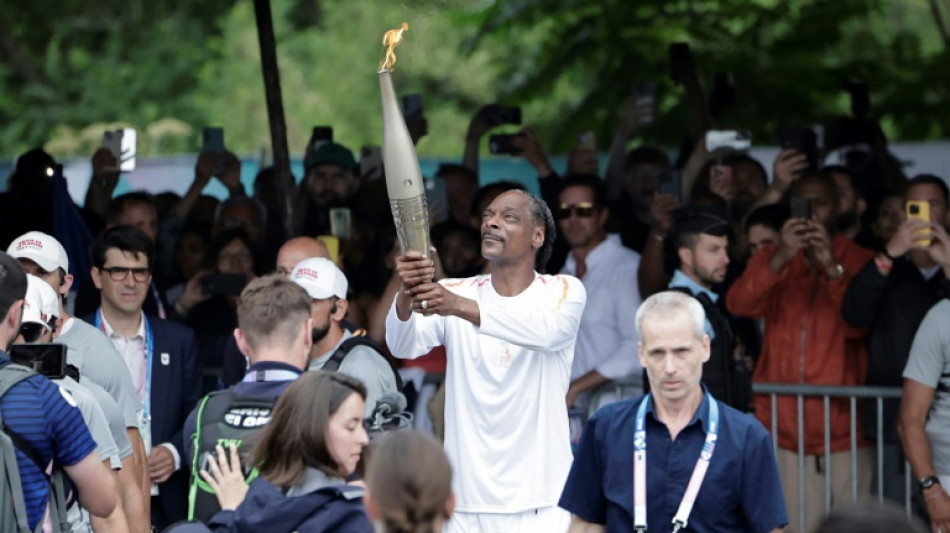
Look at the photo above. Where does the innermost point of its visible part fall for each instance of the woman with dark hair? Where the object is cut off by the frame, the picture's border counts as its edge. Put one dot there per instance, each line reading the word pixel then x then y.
pixel 410 484
pixel 314 440
pixel 208 303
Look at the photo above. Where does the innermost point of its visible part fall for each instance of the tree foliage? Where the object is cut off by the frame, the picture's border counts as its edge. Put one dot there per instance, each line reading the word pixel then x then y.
pixel 788 59
pixel 71 69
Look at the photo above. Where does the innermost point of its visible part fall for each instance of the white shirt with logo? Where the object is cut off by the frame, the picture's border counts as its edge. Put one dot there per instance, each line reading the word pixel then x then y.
pixel 506 425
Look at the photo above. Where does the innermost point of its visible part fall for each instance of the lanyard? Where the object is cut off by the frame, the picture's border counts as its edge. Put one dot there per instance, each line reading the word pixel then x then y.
pixel 149 351
pixel 640 468
pixel 275 374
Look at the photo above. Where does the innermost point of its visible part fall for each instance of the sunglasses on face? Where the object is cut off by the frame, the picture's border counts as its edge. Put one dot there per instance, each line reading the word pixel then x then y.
pixel 583 210
pixel 31 332
pixel 121 273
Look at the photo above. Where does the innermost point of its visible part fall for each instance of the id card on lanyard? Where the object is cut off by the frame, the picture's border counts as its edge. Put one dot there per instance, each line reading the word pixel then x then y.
pixel 681 519
pixel 145 420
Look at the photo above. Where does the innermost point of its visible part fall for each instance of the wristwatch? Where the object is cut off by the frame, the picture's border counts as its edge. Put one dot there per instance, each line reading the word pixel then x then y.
pixel 928 481
pixel 838 271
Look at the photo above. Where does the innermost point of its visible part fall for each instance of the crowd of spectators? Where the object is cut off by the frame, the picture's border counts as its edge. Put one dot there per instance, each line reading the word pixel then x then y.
pixel 817 276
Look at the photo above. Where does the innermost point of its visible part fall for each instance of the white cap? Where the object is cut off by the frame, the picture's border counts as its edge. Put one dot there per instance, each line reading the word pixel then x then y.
pixel 320 278
pixel 38 297
pixel 40 248
pixel 49 300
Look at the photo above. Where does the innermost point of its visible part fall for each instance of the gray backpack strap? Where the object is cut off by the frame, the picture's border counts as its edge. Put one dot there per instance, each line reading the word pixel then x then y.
pixel 57 504
pixel 12 502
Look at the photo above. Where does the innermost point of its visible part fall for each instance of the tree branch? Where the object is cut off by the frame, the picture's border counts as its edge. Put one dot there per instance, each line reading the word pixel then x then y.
pixel 938 20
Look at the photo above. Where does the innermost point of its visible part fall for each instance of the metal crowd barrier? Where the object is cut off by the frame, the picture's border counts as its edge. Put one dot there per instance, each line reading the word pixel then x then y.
pixel 621 389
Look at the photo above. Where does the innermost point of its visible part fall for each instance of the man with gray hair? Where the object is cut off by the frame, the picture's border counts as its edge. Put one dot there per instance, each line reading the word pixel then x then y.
pixel 734 485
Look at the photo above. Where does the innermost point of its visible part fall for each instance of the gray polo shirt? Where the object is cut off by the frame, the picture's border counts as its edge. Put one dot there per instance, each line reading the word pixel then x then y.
pixel 93 354
pixel 366 365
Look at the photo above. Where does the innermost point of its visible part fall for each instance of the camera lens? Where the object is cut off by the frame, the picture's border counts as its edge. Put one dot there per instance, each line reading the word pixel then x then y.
pixel 915 209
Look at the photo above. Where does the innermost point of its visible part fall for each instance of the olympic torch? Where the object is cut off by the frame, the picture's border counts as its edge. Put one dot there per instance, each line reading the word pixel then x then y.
pixel 407 197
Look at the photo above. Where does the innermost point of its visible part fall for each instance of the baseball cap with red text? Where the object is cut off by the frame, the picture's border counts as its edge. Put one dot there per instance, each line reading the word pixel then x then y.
pixel 40 248
pixel 320 278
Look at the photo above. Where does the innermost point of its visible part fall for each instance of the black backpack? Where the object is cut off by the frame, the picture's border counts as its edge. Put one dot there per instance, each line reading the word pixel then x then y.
pixel 223 418
pixel 359 338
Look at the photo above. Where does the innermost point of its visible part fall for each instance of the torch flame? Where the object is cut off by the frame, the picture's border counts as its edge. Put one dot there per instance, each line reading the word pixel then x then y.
pixel 391 40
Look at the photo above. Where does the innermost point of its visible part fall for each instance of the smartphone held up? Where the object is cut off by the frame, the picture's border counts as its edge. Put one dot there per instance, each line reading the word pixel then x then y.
pixel 213 143
pixel 920 210
pixel 122 144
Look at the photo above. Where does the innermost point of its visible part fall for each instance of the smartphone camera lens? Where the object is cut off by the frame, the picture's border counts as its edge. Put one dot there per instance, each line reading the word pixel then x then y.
pixel 915 209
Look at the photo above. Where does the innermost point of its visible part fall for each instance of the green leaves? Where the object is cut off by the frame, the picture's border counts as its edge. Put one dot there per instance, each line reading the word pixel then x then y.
pixel 71 67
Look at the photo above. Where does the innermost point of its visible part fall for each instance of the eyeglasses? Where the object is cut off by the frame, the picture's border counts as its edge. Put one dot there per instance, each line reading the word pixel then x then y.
pixel 583 210
pixel 31 332
pixel 121 273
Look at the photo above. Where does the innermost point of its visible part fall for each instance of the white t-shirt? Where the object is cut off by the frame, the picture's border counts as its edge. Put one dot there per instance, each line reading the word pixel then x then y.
pixel 506 427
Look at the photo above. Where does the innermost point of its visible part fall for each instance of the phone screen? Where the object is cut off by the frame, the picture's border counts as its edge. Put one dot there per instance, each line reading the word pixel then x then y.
pixel 371 163
pixel 47 359
pixel 644 98
pixel 801 208
pixel 224 284
pixel 214 144
pixel 340 222
pixel 670 184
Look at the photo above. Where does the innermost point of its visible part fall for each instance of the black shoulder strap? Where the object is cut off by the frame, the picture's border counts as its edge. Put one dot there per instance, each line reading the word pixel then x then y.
pixel 719 323
pixel 21 444
pixel 360 339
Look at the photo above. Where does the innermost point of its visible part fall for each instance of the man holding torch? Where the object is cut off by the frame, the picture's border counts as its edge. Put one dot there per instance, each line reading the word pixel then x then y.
pixel 509 337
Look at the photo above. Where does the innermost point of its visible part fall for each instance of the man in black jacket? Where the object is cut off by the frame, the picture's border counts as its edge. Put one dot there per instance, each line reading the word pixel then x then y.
pixel 890 296
pixel 700 246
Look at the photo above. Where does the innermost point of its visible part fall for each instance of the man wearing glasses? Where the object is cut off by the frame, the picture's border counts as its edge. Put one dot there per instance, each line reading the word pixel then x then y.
pixel 606 344
pixel 160 356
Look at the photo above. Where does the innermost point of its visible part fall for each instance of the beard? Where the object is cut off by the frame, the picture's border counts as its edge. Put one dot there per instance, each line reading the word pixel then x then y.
pixel 318 334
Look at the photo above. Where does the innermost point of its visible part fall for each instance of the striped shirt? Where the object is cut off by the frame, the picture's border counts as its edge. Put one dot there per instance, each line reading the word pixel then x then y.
pixel 44 416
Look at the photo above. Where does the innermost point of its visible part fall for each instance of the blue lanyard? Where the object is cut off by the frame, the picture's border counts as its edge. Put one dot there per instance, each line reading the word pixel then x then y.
pixel 640 468
pixel 149 353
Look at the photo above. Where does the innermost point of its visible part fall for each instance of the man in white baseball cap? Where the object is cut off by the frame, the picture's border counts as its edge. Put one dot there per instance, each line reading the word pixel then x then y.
pixel 38 318
pixel 89 350
pixel 335 348
pixel 40 253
